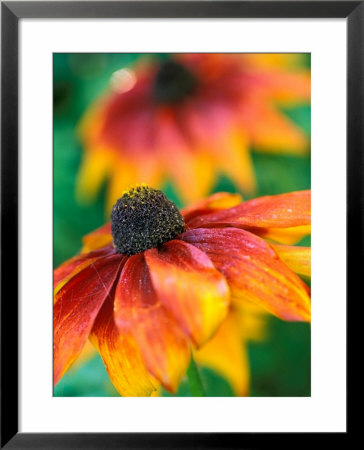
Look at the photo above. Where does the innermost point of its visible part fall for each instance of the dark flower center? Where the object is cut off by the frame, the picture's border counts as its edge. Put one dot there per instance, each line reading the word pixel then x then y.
pixel 144 218
pixel 173 83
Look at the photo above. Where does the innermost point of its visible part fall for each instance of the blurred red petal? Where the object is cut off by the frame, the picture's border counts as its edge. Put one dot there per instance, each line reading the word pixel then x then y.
pixel 271 131
pixel 282 86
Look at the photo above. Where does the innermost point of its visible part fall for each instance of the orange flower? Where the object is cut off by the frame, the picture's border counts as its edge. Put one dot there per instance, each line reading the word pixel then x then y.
pixel 156 281
pixel 189 117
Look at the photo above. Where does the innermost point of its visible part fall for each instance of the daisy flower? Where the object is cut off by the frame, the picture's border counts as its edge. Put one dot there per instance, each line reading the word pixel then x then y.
pixel 209 108
pixel 157 282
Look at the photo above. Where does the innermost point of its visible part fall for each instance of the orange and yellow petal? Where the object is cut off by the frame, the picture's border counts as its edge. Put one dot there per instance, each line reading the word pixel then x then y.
pixel 271 131
pixel 277 211
pixel 233 158
pixel 270 61
pixel 254 271
pixel 92 123
pixel 76 306
pixel 289 235
pixel 297 259
pixel 190 287
pixel 215 202
pixel 121 355
pixel 150 170
pixel 123 176
pixel 226 353
pixel 280 77
pixel 88 352
pixel 192 173
pixel 95 168
pixel 129 171
pixel 289 88
pixel 97 239
pixel 138 310
pixel 219 200
pixel 252 319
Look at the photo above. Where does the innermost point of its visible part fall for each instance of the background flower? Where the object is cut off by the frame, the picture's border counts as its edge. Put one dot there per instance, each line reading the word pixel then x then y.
pixel 278 353
pixel 188 117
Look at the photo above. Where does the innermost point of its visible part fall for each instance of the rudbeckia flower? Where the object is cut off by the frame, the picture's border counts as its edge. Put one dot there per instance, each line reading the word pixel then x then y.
pixel 157 282
pixel 209 108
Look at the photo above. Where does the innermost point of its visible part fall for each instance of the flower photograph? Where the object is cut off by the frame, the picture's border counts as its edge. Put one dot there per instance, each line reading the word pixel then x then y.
pixel 181 225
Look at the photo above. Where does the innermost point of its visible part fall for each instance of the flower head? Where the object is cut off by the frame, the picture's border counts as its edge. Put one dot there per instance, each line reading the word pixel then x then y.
pixel 144 218
pixel 146 294
pixel 188 117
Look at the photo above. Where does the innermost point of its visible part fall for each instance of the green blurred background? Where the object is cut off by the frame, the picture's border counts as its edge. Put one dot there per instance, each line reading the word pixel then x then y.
pixel 281 363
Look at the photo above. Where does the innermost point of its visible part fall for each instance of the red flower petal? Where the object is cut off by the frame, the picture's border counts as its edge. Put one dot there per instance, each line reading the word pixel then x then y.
pixel 138 310
pixel 74 265
pixel 76 307
pixel 190 287
pixel 120 354
pixel 254 271
pixel 278 211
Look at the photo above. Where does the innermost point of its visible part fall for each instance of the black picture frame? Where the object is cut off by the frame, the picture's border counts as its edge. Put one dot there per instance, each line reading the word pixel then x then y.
pixel 11 12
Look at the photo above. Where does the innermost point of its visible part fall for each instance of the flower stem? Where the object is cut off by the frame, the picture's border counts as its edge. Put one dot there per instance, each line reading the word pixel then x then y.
pixel 194 380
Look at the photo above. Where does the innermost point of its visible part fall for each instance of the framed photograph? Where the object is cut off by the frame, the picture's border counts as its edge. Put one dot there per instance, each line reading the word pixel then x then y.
pixel 162 167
